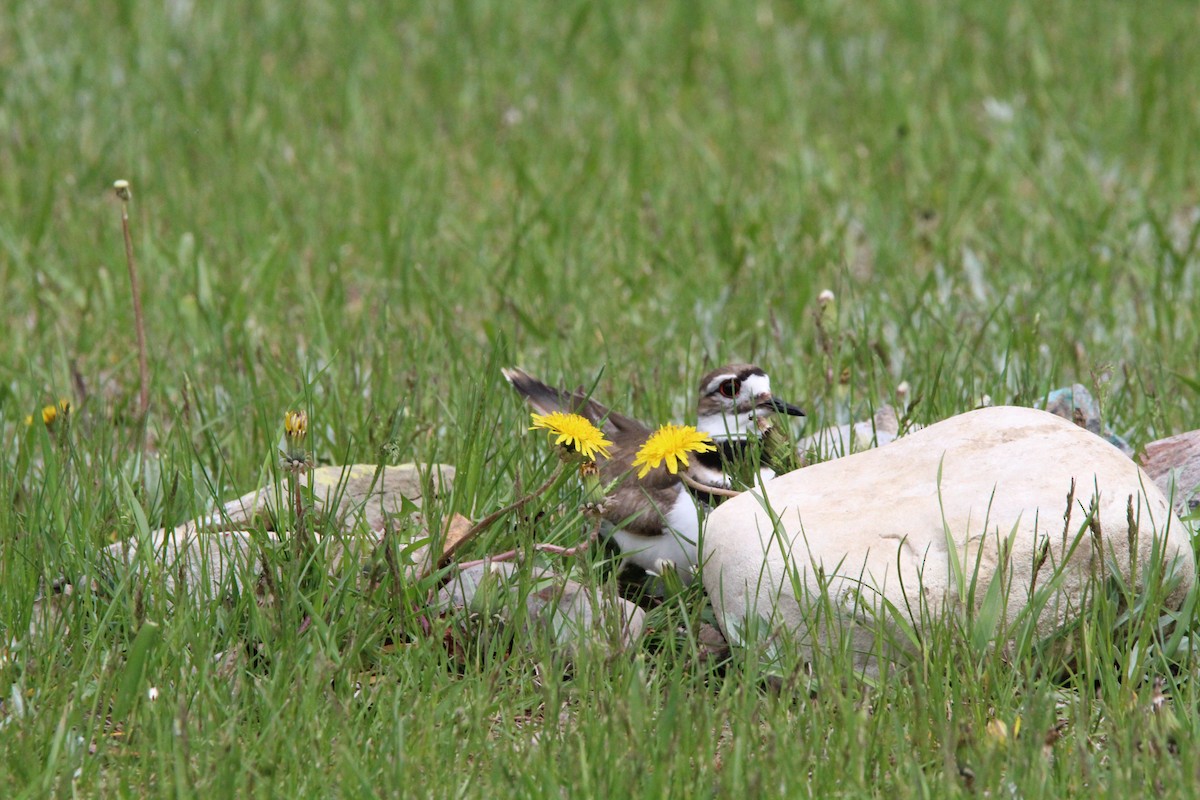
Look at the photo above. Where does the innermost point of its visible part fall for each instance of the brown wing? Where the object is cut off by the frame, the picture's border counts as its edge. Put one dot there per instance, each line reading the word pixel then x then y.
pixel 626 505
pixel 627 501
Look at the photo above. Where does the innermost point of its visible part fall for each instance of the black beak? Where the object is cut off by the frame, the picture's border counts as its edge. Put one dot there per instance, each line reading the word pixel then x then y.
pixel 784 408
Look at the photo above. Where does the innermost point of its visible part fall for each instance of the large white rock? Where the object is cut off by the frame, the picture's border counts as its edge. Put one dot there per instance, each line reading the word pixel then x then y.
pixel 879 525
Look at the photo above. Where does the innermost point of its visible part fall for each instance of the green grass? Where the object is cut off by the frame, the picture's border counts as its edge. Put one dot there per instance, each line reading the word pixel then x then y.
pixel 366 213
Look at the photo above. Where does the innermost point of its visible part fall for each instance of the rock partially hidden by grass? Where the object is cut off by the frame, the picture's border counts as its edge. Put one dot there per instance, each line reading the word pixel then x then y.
pixel 1174 464
pixel 965 517
pixel 350 494
pixel 223 551
pixel 576 618
pixel 840 440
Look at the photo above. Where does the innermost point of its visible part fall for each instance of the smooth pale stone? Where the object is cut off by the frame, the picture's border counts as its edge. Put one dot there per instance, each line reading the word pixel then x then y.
pixel 872 525
pixel 354 493
pixel 210 553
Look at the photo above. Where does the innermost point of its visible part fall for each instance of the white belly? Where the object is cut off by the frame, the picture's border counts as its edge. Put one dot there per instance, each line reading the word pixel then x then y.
pixel 677 547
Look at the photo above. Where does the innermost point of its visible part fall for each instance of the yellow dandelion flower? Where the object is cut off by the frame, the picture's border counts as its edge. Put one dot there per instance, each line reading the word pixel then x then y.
pixel 52 413
pixel 295 425
pixel 573 431
pixel 671 443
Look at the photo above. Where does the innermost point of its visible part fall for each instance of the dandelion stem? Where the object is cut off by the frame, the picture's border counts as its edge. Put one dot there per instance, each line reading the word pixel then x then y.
pixel 122 190
pixel 495 515
pixel 825 316
pixel 719 491
pixel 574 550
pixel 298 500
pixel 541 547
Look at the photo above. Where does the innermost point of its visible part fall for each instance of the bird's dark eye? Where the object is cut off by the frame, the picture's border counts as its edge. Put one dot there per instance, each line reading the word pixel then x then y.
pixel 730 388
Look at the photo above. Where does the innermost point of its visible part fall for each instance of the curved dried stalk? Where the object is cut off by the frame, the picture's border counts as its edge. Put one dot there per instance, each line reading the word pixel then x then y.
pixel 720 491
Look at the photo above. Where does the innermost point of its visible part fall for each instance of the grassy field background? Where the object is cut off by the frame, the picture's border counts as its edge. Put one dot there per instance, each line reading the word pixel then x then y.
pixel 364 210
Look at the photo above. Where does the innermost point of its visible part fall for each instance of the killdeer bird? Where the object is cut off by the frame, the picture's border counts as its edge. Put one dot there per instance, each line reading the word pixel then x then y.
pixel 655 522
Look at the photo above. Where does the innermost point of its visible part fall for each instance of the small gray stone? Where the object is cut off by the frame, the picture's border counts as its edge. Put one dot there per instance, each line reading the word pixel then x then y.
pixel 1174 464
pixel 841 440
pixel 1078 405
pixel 577 618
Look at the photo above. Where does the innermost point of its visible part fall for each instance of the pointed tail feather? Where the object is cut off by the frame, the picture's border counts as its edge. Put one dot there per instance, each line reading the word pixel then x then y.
pixel 546 399
pixel 543 398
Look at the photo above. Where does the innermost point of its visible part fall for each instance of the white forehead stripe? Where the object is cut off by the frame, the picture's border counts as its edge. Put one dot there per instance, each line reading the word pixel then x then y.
pixel 754 379
pixel 718 380
pixel 755 385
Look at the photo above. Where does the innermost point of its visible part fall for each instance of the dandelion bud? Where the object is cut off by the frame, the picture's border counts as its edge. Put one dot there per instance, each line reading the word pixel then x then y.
pixel 122 190
pixel 295 426
pixel 827 317
pixel 589 474
pixel 294 458
pixel 999 735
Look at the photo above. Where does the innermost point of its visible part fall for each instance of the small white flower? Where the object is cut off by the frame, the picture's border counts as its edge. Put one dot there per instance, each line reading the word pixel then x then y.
pixel 152 694
pixel 825 298
pixel 513 116
pixel 999 111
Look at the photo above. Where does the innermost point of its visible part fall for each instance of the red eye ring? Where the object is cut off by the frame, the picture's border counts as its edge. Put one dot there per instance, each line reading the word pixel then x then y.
pixel 730 388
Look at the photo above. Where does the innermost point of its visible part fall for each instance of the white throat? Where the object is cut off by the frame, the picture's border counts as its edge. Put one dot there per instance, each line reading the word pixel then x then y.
pixel 729 426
